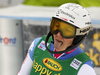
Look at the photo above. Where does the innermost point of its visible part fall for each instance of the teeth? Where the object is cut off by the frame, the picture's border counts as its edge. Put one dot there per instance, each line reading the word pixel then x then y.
pixel 57 43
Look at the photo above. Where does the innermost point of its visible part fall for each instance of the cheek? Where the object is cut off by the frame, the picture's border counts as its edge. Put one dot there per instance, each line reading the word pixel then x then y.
pixel 68 41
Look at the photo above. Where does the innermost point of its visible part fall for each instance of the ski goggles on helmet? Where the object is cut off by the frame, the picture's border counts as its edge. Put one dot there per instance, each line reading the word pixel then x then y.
pixel 67 30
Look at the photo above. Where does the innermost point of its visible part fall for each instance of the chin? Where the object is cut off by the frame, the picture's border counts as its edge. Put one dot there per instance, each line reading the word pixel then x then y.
pixel 58 49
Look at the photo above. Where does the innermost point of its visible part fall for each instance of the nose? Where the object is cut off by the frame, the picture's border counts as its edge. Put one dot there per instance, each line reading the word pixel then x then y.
pixel 59 34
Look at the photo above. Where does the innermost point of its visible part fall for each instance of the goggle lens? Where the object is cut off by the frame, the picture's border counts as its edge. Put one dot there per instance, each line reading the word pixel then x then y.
pixel 66 30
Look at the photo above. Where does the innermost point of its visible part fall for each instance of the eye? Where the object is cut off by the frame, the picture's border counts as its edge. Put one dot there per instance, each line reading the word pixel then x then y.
pixel 57 25
pixel 68 30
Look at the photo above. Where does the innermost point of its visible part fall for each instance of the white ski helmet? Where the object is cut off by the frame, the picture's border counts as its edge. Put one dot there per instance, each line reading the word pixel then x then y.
pixel 74 15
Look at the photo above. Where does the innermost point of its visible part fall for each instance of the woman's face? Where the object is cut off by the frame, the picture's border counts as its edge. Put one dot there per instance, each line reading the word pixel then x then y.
pixel 61 43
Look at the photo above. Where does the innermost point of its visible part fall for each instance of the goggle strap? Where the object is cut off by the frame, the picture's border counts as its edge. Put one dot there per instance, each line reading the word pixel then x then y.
pixel 83 31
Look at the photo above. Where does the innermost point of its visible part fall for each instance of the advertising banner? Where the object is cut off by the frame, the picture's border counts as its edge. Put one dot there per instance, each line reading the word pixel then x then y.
pixel 91 45
pixel 11 46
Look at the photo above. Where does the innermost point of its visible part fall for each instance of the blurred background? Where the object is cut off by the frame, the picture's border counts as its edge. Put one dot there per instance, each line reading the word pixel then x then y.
pixel 21 21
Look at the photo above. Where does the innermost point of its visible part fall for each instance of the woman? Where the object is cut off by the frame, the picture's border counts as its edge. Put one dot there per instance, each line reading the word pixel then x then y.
pixel 58 52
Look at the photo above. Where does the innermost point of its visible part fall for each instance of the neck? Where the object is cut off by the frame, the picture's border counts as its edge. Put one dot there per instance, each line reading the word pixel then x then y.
pixel 59 55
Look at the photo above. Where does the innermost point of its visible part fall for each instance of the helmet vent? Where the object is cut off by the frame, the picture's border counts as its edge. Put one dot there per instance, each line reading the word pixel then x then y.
pixel 71 21
pixel 57 15
pixel 84 15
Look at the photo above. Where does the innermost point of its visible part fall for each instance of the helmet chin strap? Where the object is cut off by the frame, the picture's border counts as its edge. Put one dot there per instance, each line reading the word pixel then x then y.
pixel 63 51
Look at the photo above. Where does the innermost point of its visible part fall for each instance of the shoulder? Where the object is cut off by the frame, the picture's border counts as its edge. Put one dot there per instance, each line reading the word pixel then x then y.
pixel 86 70
pixel 32 47
pixel 34 43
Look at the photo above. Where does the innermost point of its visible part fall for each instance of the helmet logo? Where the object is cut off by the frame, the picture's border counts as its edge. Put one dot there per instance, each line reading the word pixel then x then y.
pixel 73 6
pixel 85 30
pixel 64 18
pixel 60 11
pixel 87 23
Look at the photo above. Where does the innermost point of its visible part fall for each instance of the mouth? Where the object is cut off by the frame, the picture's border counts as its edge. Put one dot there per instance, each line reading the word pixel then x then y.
pixel 58 43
